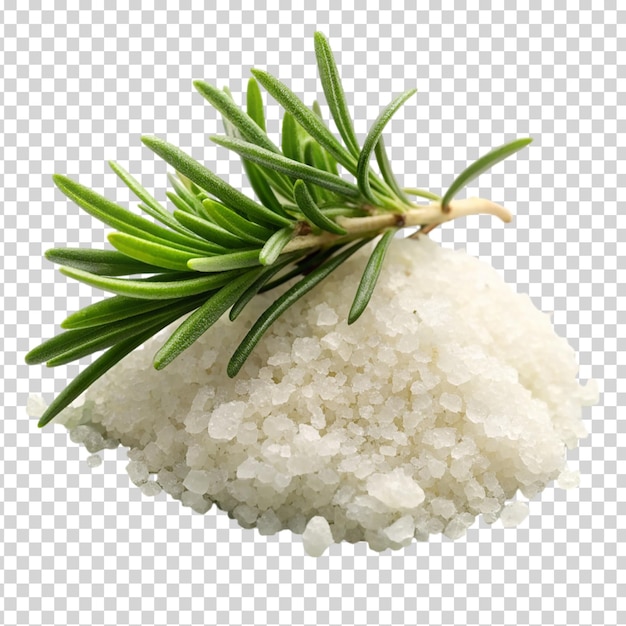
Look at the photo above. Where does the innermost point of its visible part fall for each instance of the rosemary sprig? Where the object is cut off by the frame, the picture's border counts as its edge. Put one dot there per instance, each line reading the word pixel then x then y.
pixel 218 248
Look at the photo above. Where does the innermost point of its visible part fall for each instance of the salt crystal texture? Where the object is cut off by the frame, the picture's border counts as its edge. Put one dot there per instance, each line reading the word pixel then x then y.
pixel 395 490
pixel 446 398
pixel 514 514
pixel 137 472
pixel 568 479
pixel 95 460
pixel 401 530
pixel 35 406
pixel 317 536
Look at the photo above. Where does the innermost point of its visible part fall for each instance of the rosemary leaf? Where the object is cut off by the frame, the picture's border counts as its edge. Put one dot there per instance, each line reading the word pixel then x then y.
pixel 370 276
pixel 422 193
pixel 287 166
pixel 142 193
pixel 149 204
pixel 208 181
pixel 203 318
pixel 248 128
pixel 179 203
pixel 275 244
pixel 314 190
pixel 304 266
pixel 482 165
pixel 210 231
pixel 308 120
pixel 342 211
pixel 321 159
pixel 75 344
pixel 333 91
pixel 292 138
pixel 184 194
pixel 169 221
pixel 110 310
pixel 385 169
pixel 150 252
pixel 330 163
pixel 233 222
pixel 223 262
pixel 317 109
pixel 277 308
pixel 261 179
pixel 314 156
pixel 262 187
pixel 363 166
pixel 264 277
pixel 254 103
pixel 150 290
pixel 311 211
pixel 102 262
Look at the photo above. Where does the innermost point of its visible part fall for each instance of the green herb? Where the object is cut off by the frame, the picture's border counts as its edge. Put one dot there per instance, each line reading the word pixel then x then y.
pixel 219 248
pixel 370 276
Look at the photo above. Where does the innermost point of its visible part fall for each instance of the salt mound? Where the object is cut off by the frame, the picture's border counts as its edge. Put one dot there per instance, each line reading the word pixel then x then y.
pixel 449 395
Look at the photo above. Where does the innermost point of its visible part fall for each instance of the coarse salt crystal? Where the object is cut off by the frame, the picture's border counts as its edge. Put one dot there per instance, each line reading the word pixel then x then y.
pixel 305 349
pixel 395 490
pixel 195 501
pixel 197 481
pixel 326 316
pixel 35 406
pixel 225 420
pixel 317 536
pixel 150 488
pixel 443 507
pixel 268 523
pixel 401 530
pixel 137 471
pixel 568 479
pixel 94 460
pixel 514 514
pixel 451 402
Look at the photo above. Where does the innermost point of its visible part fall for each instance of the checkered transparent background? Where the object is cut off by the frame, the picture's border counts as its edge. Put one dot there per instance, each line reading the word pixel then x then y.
pixel 78 87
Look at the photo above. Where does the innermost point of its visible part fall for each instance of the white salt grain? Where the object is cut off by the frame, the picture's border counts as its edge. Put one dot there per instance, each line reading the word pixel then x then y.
pixel 395 490
pixel 150 488
pixel 514 514
pixel 197 481
pixel 326 316
pixel 35 406
pixel 225 420
pixel 447 396
pixel 198 417
pixel 451 401
pixel 317 536
pixel 95 460
pixel 268 523
pixel 305 349
pixel 246 514
pixel 590 393
pixel 568 479
pixel 401 530
pixel 137 472
pixel 443 507
pixel 455 529
pixel 195 502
